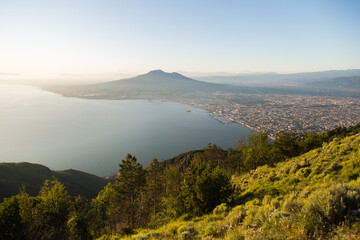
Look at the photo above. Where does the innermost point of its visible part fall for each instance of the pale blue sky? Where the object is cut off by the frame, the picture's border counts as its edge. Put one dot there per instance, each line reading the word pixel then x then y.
pixel 112 37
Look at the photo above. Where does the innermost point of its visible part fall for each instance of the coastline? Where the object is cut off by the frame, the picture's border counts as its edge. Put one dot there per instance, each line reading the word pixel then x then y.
pixel 221 118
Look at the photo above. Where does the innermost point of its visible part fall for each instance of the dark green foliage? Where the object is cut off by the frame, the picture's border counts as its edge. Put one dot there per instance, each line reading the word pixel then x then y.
pixel 78 222
pixel 215 156
pixel 182 161
pixel 47 214
pixel 203 188
pixel 256 152
pixel 54 203
pixel 41 217
pixel 126 199
pixel 10 219
pixel 100 212
pixel 213 187
pixel 154 191
pixel 173 203
pixel 311 141
pixel 258 149
pixel 286 143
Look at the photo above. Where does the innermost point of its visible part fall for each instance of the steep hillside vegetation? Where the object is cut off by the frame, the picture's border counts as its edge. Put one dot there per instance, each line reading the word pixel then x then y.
pixel 295 187
pixel 315 195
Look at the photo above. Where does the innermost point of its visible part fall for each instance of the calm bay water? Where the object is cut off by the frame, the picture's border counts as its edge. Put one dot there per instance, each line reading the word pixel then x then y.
pixel 94 135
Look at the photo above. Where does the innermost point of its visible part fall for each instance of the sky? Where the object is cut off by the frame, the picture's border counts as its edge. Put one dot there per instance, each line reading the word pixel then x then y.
pixel 84 39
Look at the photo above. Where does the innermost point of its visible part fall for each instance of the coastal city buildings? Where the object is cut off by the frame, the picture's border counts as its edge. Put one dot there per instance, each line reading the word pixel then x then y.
pixel 273 113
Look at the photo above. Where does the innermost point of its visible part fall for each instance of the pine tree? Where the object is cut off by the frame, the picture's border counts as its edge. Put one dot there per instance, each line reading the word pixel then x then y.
pixel 173 202
pixel 154 187
pixel 257 150
pixel 125 201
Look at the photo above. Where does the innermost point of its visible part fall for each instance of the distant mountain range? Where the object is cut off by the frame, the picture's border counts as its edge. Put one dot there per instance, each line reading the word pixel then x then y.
pixel 158 85
pixel 275 79
pixel 158 78
pixel 14 175
pixel 340 82
pixel 152 85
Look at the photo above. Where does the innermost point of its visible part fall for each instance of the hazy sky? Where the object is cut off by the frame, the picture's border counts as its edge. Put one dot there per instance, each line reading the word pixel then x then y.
pixel 107 37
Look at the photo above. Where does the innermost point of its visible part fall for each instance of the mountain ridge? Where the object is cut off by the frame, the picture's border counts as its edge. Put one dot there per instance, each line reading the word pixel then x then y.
pixel 154 85
pixel 279 78
pixel 31 175
pixel 352 82
pixel 157 77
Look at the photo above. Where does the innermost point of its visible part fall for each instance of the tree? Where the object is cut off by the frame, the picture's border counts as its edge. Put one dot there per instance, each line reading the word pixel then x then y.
pixel 212 188
pixel 192 203
pixel 154 190
pixel 215 155
pixel 53 209
pixel 127 188
pixel 78 222
pixel 311 140
pixel 173 202
pixel 286 143
pixel 236 158
pixel 10 219
pixel 100 211
pixel 46 216
pixel 203 188
pixel 257 152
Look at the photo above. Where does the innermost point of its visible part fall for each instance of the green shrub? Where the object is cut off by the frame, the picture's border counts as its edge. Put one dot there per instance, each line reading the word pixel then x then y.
pixel 187 231
pixel 143 237
pixel 291 205
pixel 335 167
pixel 171 230
pixel 330 207
pixel 294 168
pixel 221 209
pixel 234 234
pixel 10 219
pixel 213 229
pixel 186 235
pixel 236 216
pixel 348 232
pixel 181 229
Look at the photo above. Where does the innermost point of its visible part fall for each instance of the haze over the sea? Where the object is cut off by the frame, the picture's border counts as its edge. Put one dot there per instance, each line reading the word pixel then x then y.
pixel 94 135
pixel 88 40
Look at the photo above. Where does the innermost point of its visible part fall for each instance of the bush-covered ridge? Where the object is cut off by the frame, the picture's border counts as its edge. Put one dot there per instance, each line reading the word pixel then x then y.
pixel 315 195
pixel 14 175
pixel 256 191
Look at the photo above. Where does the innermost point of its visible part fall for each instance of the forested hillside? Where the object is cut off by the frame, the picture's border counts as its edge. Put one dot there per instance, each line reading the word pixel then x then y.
pixel 298 186
pixel 313 196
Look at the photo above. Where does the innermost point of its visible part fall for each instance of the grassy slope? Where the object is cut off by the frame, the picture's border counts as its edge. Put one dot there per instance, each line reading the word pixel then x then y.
pixel 281 202
pixel 14 175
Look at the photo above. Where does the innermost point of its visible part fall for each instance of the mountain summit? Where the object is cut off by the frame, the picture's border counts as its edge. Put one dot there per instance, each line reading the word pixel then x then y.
pixel 155 84
pixel 160 78
pixel 159 71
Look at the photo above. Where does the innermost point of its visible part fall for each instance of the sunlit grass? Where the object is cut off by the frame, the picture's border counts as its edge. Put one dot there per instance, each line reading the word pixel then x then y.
pixel 307 197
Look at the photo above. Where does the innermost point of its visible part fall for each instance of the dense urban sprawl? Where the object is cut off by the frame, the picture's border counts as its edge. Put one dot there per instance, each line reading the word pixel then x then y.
pixel 273 113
